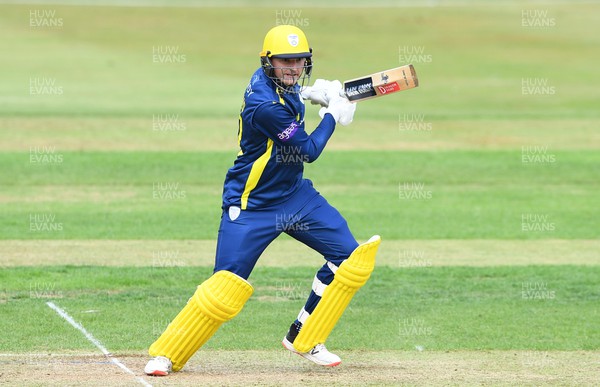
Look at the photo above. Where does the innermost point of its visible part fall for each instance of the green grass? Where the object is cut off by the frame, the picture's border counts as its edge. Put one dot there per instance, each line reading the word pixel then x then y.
pixel 470 163
pixel 437 308
pixel 468 194
pixel 479 57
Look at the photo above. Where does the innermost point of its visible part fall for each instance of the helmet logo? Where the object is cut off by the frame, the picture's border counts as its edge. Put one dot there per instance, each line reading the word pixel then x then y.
pixel 293 40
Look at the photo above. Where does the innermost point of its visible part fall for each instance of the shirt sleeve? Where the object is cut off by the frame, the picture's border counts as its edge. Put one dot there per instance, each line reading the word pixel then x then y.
pixel 280 125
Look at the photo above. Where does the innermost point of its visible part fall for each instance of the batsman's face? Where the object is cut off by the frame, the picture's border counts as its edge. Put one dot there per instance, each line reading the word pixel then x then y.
pixel 288 70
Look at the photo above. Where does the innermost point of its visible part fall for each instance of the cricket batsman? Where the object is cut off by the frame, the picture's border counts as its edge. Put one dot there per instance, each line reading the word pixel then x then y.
pixel 265 194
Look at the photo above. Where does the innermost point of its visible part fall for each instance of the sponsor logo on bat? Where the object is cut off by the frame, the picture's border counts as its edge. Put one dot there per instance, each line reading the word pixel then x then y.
pixel 388 88
pixel 405 77
pixel 359 89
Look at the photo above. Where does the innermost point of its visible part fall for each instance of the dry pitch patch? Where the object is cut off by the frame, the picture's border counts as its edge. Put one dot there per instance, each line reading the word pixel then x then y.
pixel 283 368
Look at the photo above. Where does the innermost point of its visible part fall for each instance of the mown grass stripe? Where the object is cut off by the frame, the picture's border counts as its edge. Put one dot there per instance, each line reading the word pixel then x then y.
pixel 285 252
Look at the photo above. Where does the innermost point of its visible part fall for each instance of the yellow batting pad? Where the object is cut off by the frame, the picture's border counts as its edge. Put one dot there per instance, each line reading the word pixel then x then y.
pixel 218 299
pixel 352 274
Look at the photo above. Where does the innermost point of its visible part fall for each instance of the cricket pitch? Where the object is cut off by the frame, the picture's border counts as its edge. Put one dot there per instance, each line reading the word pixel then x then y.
pixel 279 367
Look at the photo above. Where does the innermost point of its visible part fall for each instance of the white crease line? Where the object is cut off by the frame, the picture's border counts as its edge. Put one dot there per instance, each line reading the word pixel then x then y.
pixel 47 355
pixel 95 341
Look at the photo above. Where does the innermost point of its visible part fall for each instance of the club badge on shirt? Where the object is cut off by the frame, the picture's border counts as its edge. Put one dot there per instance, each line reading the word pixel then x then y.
pixel 234 212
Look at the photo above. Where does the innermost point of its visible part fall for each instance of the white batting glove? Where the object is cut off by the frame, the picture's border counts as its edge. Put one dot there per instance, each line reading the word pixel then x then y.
pixel 316 97
pixel 341 109
pixel 322 91
pixel 347 113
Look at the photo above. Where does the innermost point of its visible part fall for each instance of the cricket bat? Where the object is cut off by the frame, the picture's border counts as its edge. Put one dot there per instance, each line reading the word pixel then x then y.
pixel 381 83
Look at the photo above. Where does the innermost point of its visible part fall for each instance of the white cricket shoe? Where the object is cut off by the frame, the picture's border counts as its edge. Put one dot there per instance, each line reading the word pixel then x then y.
pixel 159 366
pixel 318 355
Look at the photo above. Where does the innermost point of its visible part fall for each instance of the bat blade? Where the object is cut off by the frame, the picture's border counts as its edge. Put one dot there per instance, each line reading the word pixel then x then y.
pixel 381 83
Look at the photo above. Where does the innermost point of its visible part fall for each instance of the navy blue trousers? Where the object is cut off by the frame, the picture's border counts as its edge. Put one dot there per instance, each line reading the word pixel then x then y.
pixel 306 217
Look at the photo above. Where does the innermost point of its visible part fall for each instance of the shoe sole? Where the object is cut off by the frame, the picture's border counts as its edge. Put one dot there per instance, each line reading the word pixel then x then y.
pixel 157 373
pixel 308 357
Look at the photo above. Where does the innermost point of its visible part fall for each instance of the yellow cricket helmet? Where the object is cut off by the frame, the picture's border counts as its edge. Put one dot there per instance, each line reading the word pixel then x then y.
pixel 286 41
